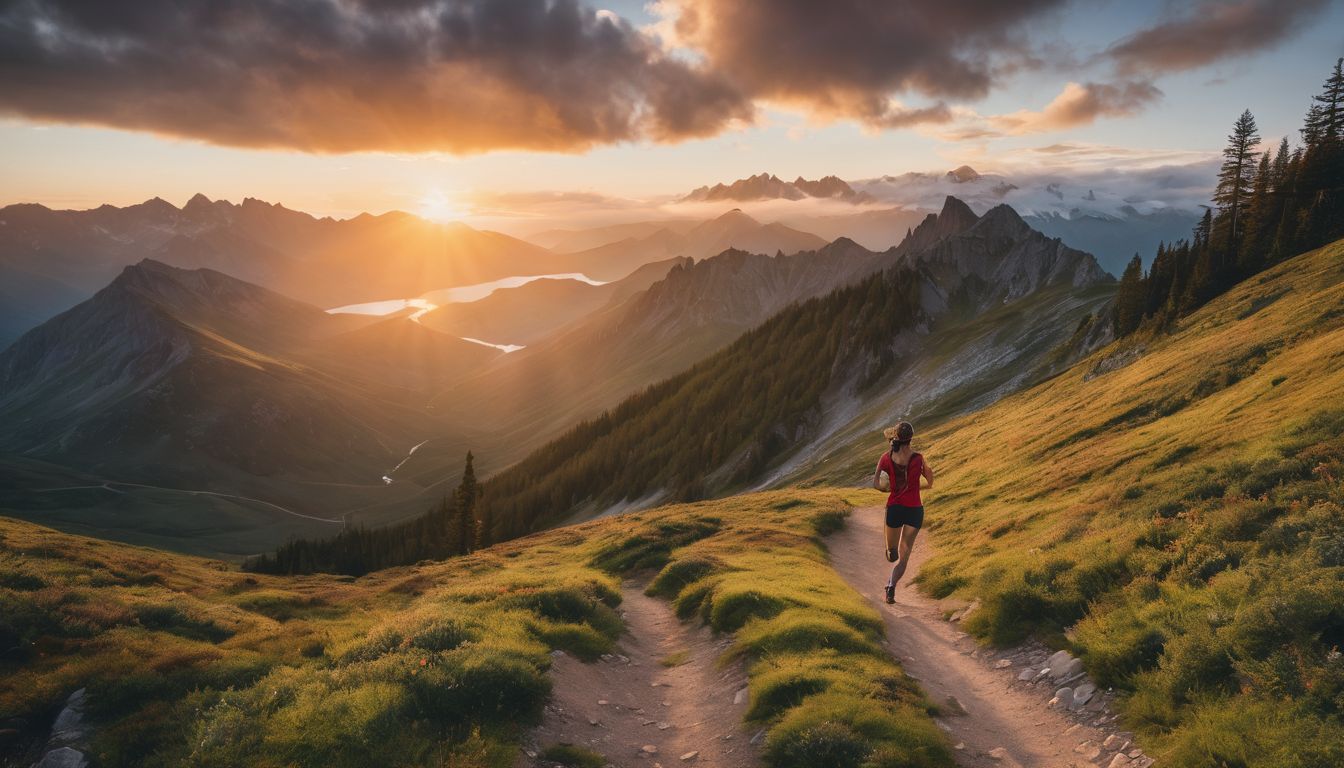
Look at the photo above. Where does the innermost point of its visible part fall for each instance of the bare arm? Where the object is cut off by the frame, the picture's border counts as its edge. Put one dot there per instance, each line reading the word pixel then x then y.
pixel 927 472
pixel 877 476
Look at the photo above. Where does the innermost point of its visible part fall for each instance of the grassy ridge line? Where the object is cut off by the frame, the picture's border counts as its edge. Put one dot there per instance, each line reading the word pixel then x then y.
pixel 188 662
pixel 1178 520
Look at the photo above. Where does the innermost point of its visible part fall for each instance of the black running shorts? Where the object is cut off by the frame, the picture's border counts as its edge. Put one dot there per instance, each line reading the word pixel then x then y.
pixel 898 515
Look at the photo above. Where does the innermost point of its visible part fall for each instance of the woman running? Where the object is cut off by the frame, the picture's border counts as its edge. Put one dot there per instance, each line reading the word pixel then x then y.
pixel 905 512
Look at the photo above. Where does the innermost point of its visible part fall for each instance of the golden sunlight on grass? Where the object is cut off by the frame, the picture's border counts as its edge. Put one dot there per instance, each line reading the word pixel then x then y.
pixel 1171 511
pixel 188 661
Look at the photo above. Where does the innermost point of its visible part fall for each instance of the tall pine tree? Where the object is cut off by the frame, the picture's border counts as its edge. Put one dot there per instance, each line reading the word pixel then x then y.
pixel 465 501
pixel 1130 298
pixel 1325 119
pixel 1235 180
pixel 1259 225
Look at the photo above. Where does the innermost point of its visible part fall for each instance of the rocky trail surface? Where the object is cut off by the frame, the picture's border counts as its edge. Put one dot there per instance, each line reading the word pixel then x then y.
pixel 661 700
pixel 999 707
pixel 664 699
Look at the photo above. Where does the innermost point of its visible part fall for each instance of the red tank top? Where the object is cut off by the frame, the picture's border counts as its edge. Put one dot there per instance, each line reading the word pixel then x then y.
pixel 914 470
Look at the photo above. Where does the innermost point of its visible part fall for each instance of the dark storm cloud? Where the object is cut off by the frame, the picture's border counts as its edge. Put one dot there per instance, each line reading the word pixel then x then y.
pixel 1210 31
pixel 476 75
pixel 348 75
pixel 845 58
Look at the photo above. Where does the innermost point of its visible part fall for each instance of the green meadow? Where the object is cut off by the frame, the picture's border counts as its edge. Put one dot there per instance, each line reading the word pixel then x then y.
pixel 1172 509
pixel 188 661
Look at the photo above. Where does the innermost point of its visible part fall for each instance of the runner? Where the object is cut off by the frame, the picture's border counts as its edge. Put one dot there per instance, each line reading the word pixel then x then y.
pixel 905 511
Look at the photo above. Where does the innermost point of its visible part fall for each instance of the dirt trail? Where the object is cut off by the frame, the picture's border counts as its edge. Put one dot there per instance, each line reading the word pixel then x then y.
pixel 628 700
pixel 1001 713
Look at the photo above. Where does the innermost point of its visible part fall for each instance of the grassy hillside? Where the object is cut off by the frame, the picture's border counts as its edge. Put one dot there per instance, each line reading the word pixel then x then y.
pixel 189 662
pixel 1172 509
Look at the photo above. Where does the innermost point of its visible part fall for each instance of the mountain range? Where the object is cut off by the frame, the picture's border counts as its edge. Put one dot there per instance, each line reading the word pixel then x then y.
pixel 770 187
pixel 972 308
pixel 1111 217
pixel 50 260
pixel 193 381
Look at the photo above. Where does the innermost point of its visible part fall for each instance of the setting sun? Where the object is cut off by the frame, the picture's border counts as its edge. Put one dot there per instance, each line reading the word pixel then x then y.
pixel 436 205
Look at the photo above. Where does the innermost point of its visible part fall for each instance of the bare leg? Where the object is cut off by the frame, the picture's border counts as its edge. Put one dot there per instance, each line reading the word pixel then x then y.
pixel 893 539
pixel 907 543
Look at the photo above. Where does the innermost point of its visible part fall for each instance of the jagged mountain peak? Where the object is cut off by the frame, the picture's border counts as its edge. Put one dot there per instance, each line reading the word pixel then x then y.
pixel 154 207
pixel 956 215
pixel 768 186
pixel 1003 220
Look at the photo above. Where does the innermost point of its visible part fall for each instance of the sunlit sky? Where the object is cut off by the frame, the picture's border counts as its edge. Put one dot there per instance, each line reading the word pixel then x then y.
pixel 54 155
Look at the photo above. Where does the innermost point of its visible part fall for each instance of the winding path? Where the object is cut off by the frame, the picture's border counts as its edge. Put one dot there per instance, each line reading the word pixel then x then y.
pixel 634 711
pixel 1000 714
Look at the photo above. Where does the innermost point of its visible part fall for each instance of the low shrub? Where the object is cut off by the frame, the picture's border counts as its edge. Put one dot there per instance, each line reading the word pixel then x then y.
pixel 441 635
pixel 826 743
pixel 676 575
pixel 274 604
pixel 826 523
pixel 840 730
pixel 573 757
pixel 733 605
pixel 652 550
pixel 376 644
pixel 171 619
pixel 474 685
pixel 579 639
pixel 801 630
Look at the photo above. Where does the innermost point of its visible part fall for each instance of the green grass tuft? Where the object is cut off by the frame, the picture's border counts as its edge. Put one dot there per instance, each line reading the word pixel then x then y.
pixel 573 757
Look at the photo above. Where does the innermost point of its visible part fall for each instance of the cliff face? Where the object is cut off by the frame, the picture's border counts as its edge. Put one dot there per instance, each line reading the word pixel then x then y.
pixel 1000 259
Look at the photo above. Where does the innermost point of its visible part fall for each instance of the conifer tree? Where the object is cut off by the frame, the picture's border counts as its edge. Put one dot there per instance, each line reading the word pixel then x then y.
pixel 1289 198
pixel 1160 277
pixel 1325 118
pixel 1259 210
pixel 1234 189
pixel 484 537
pixel 1204 230
pixel 1130 298
pixel 465 501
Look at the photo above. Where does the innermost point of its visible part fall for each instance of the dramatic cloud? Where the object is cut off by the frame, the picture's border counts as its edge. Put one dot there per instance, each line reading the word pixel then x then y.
pixel 347 75
pixel 846 58
pixel 1080 104
pixel 466 76
pixel 1209 31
